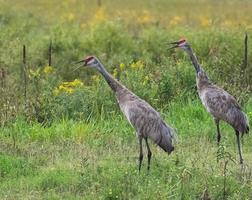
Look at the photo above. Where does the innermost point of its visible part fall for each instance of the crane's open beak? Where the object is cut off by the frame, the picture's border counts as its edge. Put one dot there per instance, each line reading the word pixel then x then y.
pixel 175 46
pixel 83 62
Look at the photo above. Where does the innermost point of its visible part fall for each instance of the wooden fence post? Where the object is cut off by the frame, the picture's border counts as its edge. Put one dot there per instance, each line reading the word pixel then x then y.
pixel 50 54
pixel 3 97
pixel 245 60
pixel 24 76
pixel 99 3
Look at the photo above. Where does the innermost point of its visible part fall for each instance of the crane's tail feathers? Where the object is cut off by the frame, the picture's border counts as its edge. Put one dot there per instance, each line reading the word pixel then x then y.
pixel 247 125
pixel 247 131
pixel 241 122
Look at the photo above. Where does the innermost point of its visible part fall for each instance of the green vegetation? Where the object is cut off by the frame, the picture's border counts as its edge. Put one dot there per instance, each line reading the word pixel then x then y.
pixel 67 139
pixel 75 160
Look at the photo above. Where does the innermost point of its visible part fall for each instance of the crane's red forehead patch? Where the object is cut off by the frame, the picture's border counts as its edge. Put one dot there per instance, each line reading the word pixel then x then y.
pixel 182 40
pixel 87 59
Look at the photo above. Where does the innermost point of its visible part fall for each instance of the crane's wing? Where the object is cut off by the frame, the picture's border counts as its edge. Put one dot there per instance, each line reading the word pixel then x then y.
pixel 149 124
pixel 224 106
pixel 218 100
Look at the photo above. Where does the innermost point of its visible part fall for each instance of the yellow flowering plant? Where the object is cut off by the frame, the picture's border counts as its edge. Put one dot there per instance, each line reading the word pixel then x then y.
pixel 145 17
pixel 95 78
pixel 176 20
pixel 137 65
pixel 34 73
pixel 68 87
pixel 122 66
pixel 205 21
pixel 115 72
pixel 48 69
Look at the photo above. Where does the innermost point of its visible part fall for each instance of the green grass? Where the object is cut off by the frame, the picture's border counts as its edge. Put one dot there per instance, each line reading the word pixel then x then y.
pixel 98 160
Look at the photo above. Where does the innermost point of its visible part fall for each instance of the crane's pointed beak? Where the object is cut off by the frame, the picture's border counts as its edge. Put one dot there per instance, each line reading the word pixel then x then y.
pixel 83 64
pixel 81 61
pixel 175 46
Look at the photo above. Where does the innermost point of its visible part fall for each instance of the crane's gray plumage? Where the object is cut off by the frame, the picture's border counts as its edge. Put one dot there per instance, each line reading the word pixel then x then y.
pixel 145 119
pixel 217 101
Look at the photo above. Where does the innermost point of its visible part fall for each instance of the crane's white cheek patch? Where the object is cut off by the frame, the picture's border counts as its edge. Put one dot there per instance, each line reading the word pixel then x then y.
pixel 89 62
pixel 182 44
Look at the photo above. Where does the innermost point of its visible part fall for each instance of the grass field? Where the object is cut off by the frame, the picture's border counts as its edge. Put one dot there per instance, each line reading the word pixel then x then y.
pixel 62 135
pixel 98 160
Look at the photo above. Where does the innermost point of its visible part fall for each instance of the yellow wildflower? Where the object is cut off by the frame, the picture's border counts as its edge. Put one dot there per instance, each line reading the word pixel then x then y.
pixel 115 72
pixel 69 90
pixel 76 83
pixel 146 80
pixel 139 64
pixel 145 17
pixel 65 83
pixel 70 16
pixel 122 66
pixel 176 20
pixel 62 87
pixel 48 69
pixel 133 65
pixel 68 87
pixel 56 92
pixel 95 78
pixel 100 14
pixel 205 22
pixel 34 73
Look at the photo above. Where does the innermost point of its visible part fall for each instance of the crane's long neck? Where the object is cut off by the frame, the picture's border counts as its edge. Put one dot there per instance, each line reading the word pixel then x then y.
pixel 201 77
pixel 114 84
pixel 194 59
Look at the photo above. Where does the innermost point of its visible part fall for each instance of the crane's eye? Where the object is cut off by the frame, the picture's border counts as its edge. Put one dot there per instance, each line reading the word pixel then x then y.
pixel 95 61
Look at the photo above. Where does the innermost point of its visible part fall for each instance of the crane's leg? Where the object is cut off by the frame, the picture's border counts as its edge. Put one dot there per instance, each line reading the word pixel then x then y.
pixel 140 153
pixel 149 153
pixel 217 122
pixel 239 145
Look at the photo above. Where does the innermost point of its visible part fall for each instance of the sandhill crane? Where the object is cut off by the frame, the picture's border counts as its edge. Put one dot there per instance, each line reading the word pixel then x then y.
pixel 145 119
pixel 217 101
